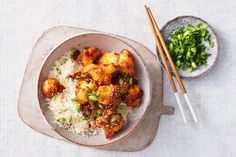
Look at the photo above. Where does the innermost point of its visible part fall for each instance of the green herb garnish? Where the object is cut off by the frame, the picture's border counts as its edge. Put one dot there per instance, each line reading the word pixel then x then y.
pixel 54 97
pixel 100 105
pixel 58 71
pixel 61 120
pixel 78 109
pixel 187 48
pixel 126 78
pixel 93 96
pixel 74 53
pixel 122 108
pixel 63 82
pixel 114 118
pixel 74 101
pixel 131 80
pixel 211 44
pixel 98 113
pixel 86 118
pixel 63 61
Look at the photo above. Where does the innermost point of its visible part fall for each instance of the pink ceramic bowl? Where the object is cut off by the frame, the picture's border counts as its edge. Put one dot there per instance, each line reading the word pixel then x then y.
pixel 108 43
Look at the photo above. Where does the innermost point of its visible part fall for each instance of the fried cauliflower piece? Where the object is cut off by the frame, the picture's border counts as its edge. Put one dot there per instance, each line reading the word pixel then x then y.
pixel 89 55
pixel 85 84
pixel 111 124
pixel 134 96
pixel 109 68
pixel 105 93
pixel 115 125
pixel 81 95
pixel 126 62
pixel 109 58
pixel 82 89
pixel 96 73
pixel 109 95
pixel 51 87
pixel 104 119
pixel 87 68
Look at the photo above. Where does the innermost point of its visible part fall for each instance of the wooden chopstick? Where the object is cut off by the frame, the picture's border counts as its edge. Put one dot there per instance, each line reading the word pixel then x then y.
pixel 166 66
pixel 159 38
pixel 167 52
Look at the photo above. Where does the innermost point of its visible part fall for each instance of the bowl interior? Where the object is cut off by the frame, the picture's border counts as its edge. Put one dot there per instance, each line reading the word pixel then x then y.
pixel 103 42
pixel 181 21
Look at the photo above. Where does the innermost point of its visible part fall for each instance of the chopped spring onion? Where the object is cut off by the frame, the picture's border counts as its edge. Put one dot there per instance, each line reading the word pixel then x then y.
pixel 74 101
pixel 78 109
pixel 74 53
pixel 211 44
pixel 58 71
pixel 63 61
pixel 98 113
pixel 54 97
pixel 100 105
pixel 63 82
pixel 131 81
pixel 61 120
pixel 86 118
pixel 93 96
pixel 187 46
pixel 114 118
pixel 122 108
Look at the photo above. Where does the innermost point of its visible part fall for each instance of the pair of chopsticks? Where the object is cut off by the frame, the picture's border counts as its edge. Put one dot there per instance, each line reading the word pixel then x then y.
pixel 162 45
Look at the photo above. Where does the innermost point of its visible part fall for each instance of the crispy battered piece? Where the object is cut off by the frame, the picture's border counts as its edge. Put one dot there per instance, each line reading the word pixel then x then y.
pixel 126 62
pixel 51 87
pixel 87 84
pixel 109 95
pixel 96 73
pixel 115 125
pixel 104 119
pixel 109 68
pixel 82 89
pixel 134 96
pixel 87 68
pixel 89 55
pixel 109 58
pixel 105 93
pixel 81 95
pixel 110 123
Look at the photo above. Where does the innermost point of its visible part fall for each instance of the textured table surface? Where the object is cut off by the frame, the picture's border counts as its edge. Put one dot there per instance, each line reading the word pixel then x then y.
pixel 213 95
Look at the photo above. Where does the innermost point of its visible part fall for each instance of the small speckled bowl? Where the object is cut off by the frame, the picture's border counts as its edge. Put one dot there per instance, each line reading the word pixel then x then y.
pixel 181 21
pixel 108 43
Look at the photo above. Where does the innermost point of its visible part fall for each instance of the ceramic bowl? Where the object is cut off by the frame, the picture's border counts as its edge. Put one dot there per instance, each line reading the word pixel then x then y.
pixel 108 43
pixel 181 21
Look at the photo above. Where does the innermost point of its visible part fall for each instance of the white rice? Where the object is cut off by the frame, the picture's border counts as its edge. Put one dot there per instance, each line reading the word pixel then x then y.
pixel 63 107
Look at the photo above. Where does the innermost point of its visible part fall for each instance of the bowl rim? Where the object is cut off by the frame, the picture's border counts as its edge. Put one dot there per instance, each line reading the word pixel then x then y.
pixel 124 135
pixel 216 38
